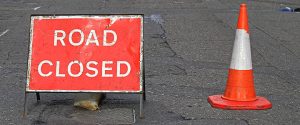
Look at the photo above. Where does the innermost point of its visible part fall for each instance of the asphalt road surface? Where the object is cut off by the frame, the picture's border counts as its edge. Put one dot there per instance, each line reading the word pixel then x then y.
pixel 188 46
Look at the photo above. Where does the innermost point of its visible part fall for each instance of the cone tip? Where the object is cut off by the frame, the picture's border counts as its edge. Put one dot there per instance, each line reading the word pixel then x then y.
pixel 243 18
pixel 243 5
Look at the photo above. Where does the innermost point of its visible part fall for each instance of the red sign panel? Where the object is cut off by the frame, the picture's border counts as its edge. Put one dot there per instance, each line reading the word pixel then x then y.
pixel 85 54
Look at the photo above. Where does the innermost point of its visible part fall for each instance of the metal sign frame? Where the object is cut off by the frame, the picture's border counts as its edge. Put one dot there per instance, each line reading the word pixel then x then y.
pixel 141 92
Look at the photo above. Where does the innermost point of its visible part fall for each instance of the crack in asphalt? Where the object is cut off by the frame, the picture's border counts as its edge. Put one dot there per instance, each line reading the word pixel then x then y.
pixel 274 38
pixel 174 69
pixel 163 36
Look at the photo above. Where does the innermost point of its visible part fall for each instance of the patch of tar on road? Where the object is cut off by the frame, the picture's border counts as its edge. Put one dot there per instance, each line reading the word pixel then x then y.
pixel 63 112
pixel 54 107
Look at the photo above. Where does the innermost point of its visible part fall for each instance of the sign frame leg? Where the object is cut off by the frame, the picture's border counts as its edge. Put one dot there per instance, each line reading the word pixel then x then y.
pixel 25 105
pixel 143 94
pixel 142 106
pixel 38 97
pixel 144 81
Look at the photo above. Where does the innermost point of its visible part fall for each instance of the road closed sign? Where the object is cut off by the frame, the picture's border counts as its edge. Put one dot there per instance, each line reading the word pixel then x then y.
pixel 88 53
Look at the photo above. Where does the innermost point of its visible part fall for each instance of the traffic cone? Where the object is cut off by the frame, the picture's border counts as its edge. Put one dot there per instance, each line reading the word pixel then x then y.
pixel 240 92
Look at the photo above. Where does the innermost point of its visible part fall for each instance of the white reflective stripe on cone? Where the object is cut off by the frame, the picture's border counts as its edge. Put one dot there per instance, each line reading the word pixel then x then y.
pixel 241 55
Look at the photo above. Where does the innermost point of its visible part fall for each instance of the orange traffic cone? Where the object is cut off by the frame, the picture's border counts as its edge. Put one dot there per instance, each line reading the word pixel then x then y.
pixel 240 92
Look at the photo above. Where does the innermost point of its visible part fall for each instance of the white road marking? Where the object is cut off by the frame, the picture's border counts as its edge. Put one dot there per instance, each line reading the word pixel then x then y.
pixel 155 18
pixel 178 2
pixel 36 8
pixel 3 33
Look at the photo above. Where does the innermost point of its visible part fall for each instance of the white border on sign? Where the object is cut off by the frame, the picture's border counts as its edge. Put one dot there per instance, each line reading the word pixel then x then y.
pixel 32 18
pixel 30 52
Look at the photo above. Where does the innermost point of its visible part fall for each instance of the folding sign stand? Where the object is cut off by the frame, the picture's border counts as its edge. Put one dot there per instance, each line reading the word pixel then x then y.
pixel 142 98
pixel 120 35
